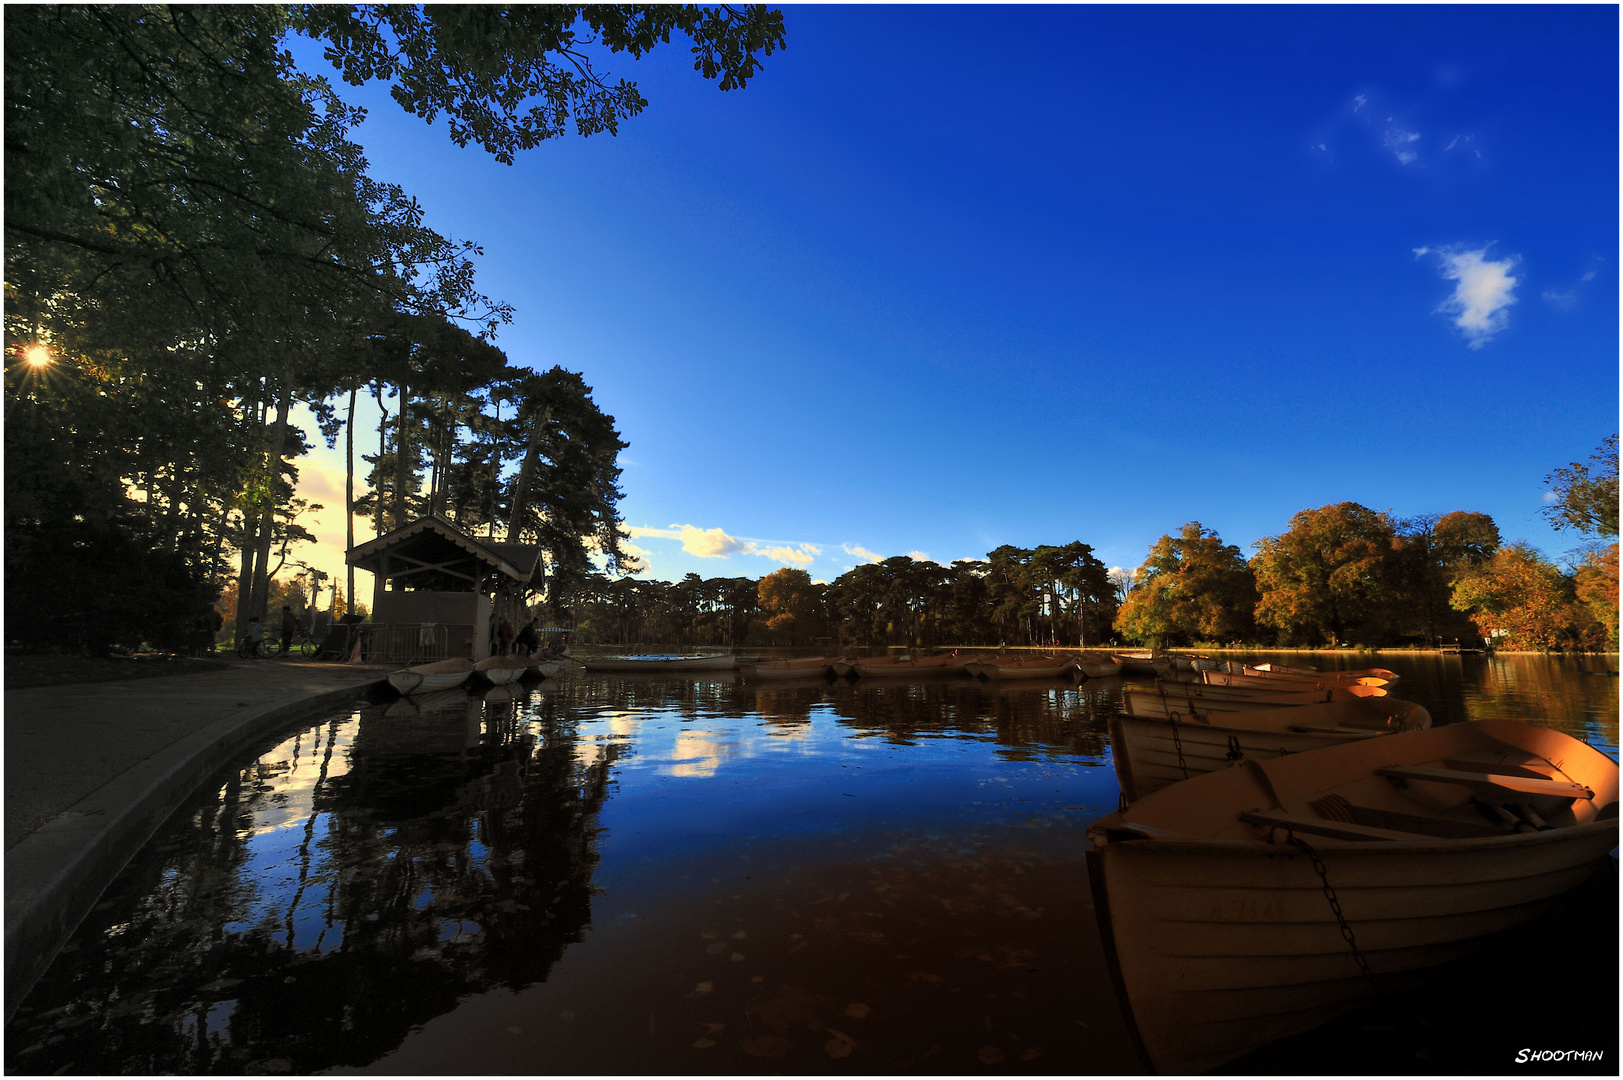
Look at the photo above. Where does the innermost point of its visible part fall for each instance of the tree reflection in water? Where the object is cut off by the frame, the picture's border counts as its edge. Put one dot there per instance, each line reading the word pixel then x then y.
pixel 805 875
pixel 356 880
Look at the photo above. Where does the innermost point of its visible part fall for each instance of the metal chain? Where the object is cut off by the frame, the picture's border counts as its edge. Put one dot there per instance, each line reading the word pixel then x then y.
pixel 1177 741
pixel 1335 907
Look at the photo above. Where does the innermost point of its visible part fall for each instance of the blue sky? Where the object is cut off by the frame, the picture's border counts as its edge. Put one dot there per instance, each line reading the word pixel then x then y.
pixel 945 278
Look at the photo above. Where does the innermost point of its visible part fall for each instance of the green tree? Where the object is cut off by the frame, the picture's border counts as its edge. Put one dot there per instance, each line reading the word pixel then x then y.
pixel 1586 493
pixel 509 78
pixel 1328 577
pixel 1191 588
pixel 1431 552
pixel 565 494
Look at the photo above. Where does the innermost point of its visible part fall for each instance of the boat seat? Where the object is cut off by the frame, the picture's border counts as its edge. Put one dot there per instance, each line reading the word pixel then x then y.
pixel 1336 830
pixel 1482 783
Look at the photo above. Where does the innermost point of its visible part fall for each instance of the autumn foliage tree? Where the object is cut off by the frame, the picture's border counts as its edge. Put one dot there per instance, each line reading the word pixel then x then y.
pixel 1597 590
pixel 791 606
pixel 1328 577
pixel 1520 600
pixel 1191 588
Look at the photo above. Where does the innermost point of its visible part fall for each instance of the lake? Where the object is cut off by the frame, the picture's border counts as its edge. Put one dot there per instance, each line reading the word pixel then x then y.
pixel 648 874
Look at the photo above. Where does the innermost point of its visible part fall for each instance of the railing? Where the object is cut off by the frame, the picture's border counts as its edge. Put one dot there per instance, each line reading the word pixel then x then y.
pixel 416 643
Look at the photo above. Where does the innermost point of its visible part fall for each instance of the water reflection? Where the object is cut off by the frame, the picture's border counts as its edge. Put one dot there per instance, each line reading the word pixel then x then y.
pixel 645 873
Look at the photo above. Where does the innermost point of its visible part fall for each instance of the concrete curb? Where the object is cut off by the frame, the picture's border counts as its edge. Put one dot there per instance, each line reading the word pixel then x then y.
pixel 54 876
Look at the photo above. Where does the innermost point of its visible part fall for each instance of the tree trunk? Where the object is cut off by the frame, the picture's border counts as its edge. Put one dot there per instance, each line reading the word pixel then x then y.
pixel 526 475
pixel 267 515
pixel 249 546
pixel 377 491
pixel 402 440
pixel 349 491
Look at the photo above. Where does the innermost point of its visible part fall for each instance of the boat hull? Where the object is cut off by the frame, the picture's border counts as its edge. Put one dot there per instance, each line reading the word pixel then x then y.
pixel 1095 667
pixel 1219 925
pixel 795 669
pixel 1222 952
pixel 1023 669
pixel 687 663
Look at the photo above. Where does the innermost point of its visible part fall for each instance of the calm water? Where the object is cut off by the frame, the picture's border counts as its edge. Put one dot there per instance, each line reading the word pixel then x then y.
pixel 642 874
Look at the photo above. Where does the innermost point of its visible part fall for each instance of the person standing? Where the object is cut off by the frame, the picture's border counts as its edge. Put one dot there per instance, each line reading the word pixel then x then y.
pixel 504 635
pixel 290 626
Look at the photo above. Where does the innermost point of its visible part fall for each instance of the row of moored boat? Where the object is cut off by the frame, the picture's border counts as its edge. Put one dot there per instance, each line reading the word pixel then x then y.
pixel 494 671
pixel 1291 843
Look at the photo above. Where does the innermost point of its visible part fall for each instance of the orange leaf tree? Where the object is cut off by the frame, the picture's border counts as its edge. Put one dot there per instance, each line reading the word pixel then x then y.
pixel 1519 600
pixel 1192 587
pixel 1328 577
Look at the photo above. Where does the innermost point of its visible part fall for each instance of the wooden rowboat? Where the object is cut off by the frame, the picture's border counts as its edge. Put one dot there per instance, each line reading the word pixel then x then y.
pixel 1151 752
pixel 848 665
pixel 1280 671
pixel 902 667
pixel 662 663
pixel 539 667
pixel 1180 700
pixel 1137 663
pixel 499 670
pixel 1035 667
pixel 1099 666
pixel 425 678
pixel 1263 682
pixel 1212 894
pixel 788 669
pixel 1282 668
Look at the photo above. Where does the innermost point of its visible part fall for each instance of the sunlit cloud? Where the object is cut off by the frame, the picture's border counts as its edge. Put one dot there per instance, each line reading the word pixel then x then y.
pixel 705 543
pixel 801 556
pixel 862 553
pixel 1482 294
pixel 719 544
pixel 918 556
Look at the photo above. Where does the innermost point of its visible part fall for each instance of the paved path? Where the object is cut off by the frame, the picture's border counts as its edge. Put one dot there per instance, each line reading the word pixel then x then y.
pixel 92 768
pixel 64 742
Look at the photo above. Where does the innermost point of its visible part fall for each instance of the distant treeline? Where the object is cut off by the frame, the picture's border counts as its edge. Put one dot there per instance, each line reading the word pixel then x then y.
pixel 1340 574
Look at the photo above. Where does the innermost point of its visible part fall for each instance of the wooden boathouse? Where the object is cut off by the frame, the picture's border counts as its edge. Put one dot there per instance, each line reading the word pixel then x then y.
pixel 440 592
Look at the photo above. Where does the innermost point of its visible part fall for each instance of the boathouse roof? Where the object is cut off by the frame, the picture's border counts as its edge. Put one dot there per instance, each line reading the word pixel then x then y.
pixel 433 549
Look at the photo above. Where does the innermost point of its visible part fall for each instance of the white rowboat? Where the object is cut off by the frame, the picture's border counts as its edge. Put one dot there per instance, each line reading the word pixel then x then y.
pixel 425 678
pixel 1212 893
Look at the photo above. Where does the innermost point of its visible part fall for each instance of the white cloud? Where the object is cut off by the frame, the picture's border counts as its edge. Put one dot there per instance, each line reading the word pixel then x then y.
pixel 1563 300
pixel 918 556
pixel 1397 140
pixel 1321 146
pixel 719 544
pixel 801 556
pixel 705 543
pixel 1358 102
pixel 1589 275
pixel 1419 251
pixel 862 553
pixel 1483 293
